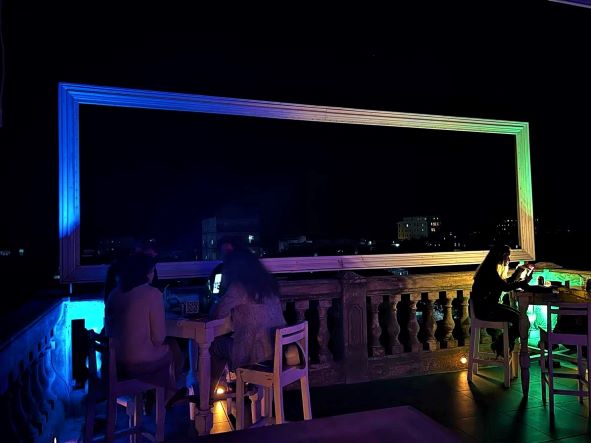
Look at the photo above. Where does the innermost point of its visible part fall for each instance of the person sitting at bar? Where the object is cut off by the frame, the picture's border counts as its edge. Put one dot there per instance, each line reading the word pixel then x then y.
pixel 252 302
pixel 134 318
pixel 490 281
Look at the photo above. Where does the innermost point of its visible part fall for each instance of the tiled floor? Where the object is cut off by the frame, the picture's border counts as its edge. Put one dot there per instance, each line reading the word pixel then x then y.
pixel 483 411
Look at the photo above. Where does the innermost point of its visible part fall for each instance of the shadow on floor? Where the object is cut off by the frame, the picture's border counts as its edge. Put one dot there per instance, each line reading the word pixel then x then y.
pixel 481 411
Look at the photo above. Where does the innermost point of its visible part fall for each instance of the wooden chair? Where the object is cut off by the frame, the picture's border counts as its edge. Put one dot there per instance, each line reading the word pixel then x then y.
pixel 127 393
pixel 273 376
pixel 474 356
pixel 550 338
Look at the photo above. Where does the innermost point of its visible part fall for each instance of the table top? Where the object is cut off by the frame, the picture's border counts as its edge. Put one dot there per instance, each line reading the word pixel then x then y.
pixel 402 423
pixel 565 295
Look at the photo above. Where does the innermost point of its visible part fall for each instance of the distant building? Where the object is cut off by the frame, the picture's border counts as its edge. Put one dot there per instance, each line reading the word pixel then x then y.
pixel 111 247
pixel 214 229
pixel 418 227
pixel 507 231
pixel 297 242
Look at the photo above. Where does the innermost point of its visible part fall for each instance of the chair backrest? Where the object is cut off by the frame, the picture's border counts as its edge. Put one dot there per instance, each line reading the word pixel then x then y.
pixel 296 335
pixel 569 309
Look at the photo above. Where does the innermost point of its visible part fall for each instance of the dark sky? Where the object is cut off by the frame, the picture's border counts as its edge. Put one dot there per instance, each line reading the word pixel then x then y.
pixel 159 173
pixel 524 60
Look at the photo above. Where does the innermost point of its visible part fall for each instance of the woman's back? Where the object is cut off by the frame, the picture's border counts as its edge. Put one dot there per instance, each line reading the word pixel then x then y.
pixel 136 320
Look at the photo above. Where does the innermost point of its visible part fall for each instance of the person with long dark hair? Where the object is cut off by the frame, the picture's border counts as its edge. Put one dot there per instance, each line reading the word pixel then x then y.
pixel 490 281
pixel 251 300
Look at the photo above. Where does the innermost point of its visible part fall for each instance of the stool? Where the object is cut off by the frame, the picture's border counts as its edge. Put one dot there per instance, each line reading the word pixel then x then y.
pixel 474 358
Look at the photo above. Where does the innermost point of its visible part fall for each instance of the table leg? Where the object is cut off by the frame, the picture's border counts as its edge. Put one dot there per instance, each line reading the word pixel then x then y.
pixel 204 417
pixel 523 338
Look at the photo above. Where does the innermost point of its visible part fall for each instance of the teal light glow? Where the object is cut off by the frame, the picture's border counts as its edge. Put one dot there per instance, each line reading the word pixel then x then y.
pixel 92 311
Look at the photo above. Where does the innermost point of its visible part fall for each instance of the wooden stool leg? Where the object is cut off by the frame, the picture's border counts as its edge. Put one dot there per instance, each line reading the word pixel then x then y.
pixel 111 417
pixel 160 414
pixel 278 395
pixel 90 415
pixel 581 369
pixel 239 400
pixel 136 418
pixel 506 360
pixel 543 370
pixel 471 352
pixel 268 404
pixel 305 387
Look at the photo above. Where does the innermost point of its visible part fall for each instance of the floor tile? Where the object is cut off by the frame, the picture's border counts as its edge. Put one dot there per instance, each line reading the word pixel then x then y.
pixel 564 424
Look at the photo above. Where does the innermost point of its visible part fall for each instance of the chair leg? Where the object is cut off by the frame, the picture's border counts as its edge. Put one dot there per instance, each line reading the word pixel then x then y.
pixel 90 414
pixel 136 419
pixel 111 417
pixel 581 369
pixel 305 388
pixel 476 349
pixel 160 414
pixel 471 351
pixel 239 401
pixel 543 370
pixel 268 404
pixel 278 395
pixel 588 376
pixel 551 377
pixel 506 360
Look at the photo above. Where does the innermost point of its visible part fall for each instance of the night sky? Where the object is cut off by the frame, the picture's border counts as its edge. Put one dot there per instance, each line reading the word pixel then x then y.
pixel 525 61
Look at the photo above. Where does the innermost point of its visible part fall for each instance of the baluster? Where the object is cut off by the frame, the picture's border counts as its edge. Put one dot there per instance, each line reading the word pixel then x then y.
pixel 37 391
pixel 448 324
pixel 485 337
pixel 301 306
pixel 21 414
pixel 47 376
pixel 7 409
pixel 465 318
pixel 376 349
pixel 323 334
pixel 394 326
pixel 413 324
pixel 32 406
pixel 429 324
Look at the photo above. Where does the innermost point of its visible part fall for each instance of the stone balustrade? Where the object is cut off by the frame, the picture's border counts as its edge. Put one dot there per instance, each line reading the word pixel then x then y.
pixel 360 328
pixel 31 395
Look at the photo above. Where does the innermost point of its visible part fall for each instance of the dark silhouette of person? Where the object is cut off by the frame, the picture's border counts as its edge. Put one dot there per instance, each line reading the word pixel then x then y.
pixel 490 281
pixel 147 247
pixel 227 245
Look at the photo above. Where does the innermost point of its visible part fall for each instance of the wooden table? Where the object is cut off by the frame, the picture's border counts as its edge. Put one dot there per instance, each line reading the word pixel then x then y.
pixel 527 298
pixel 401 423
pixel 201 331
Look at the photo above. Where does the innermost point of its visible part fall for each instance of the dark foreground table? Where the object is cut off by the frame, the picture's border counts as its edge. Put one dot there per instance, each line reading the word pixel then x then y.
pixel 402 423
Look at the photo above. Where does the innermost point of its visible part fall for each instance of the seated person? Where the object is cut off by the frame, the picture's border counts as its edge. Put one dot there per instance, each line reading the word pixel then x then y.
pixel 490 281
pixel 134 318
pixel 252 302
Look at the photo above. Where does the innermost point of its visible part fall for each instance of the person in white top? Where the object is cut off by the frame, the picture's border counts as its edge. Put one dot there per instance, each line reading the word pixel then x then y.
pixel 134 318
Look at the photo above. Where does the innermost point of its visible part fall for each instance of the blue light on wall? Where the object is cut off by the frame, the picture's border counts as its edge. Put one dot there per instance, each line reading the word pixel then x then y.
pixel 92 311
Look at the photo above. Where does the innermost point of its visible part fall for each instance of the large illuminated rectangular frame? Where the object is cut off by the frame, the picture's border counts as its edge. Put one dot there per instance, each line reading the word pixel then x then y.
pixel 71 96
